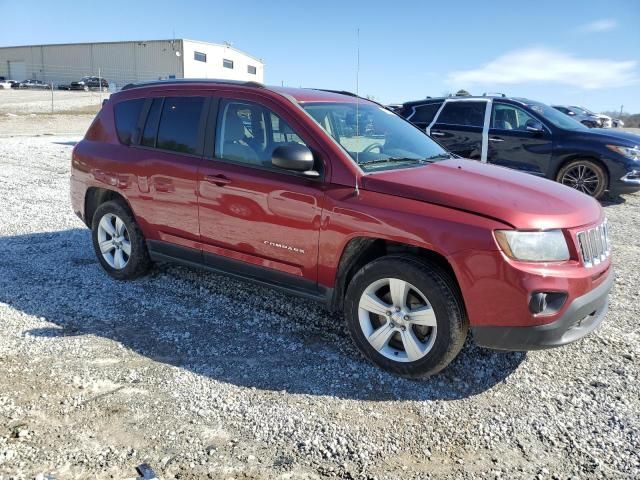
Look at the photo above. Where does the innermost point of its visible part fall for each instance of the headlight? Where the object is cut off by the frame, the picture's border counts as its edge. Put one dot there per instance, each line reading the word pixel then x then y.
pixel 630 152
pixel 545 246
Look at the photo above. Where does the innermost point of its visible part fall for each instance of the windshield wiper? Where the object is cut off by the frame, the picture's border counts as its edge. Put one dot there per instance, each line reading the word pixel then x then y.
pixel 393 160
pixel 441 156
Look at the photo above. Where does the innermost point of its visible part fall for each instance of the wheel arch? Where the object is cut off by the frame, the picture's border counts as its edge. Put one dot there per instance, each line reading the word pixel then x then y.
pixel 579 156
pixel 96 196
pixel 360 251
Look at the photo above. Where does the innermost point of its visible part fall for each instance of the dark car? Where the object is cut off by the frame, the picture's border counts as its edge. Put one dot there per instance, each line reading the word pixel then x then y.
pixel 532 137
pixel 34 84
pixel 89 83
pixel 588 120
pixel 413 245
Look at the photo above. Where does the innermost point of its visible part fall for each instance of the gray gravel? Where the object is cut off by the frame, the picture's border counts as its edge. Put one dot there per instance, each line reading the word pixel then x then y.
pixel 202 376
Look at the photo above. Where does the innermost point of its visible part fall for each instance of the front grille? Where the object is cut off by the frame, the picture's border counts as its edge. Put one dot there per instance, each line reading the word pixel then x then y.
pixel 594 244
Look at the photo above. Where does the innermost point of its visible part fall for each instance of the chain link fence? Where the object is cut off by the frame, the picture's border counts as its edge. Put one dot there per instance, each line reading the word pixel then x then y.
pixel 61 88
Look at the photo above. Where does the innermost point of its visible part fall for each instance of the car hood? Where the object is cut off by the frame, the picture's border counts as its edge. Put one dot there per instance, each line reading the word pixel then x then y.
pixel 609 136
pixel 521 200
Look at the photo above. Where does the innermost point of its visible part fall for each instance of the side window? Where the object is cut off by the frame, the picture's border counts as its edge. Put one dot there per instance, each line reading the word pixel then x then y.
pixel 467 113
pixel 151 124
pixel 179 124
pixel 249 133
pixel 127 114
pixel 424 113
pixel 509 117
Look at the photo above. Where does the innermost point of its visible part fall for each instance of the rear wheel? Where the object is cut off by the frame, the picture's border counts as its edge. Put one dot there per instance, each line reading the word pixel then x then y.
pixel 585 176
pixel 405 315
pixel 118 242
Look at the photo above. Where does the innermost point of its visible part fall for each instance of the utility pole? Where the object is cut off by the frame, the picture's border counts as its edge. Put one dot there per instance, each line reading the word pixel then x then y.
pixel 51 97
pixel 100 83
pixel 621 107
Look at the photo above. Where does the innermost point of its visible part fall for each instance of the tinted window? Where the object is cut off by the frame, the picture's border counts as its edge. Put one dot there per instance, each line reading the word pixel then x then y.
pixel 200 57
pixel 227 63
pixel 179 124
pixel 424 113
pixel 126 116
pixel 509 117
pixel 249 133
pixel 151 125
pixel 463 113
pixel 251 69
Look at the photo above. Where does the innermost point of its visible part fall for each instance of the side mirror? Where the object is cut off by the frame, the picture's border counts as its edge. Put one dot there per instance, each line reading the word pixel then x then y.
pixel 296 158
pixel 534 126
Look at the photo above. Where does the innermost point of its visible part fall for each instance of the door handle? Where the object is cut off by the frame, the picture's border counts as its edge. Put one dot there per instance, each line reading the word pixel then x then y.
pixel 496 139
pixel 219 180
pixel 437 134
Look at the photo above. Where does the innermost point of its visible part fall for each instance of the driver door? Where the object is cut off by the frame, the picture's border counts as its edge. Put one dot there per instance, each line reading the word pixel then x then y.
pixel 266 219
pixel 512 145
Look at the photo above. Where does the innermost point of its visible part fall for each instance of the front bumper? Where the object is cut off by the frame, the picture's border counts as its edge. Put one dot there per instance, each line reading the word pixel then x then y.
pixel 582 316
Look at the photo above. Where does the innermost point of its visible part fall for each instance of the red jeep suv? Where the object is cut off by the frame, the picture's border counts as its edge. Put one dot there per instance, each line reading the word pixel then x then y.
pixel 334 198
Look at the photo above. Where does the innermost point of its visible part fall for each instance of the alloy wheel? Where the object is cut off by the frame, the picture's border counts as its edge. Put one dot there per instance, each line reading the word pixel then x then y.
pixel 582 178
pixel 397 320
pixel 114 242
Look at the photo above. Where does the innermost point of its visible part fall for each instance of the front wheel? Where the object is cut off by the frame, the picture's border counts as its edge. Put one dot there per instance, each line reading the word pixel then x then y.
pixel 405 315
pixel 585 176
pixel 118 242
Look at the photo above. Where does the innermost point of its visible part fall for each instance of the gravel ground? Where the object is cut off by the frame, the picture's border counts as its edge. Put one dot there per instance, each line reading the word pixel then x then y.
pixel 22 101
pixel 202 376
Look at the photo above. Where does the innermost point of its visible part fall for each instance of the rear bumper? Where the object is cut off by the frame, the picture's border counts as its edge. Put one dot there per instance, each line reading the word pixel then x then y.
pixel 583 316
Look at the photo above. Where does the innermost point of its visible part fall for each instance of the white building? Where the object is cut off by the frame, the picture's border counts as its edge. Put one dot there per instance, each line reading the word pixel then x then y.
pixel 125 62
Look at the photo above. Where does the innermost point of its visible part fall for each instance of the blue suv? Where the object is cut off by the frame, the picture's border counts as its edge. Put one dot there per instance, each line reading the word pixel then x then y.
pixel 532 137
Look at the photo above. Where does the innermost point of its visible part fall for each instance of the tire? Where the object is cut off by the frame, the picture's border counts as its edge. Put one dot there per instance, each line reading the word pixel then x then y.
pixel 431 299
pixel 114 227
pixel 585 176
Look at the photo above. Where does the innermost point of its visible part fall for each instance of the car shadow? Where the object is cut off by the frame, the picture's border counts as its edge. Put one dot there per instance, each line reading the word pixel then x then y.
pixel 612 199
pixel 215 326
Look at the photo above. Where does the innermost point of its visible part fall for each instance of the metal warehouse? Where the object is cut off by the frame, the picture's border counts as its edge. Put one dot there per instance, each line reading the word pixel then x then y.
pixel 132 61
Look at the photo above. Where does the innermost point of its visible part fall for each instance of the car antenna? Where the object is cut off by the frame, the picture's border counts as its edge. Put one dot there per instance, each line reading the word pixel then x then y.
pixel 357 99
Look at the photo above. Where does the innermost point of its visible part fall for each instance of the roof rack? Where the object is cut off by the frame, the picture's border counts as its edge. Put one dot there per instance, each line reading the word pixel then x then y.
pixel 493 94
pixel 340 92
pixel 182 81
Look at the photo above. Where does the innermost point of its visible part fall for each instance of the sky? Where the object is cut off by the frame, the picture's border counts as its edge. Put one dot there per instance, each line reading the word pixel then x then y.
pixel 561 52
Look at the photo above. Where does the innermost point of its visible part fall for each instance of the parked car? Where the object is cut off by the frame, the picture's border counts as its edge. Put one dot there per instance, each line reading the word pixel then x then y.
pixel 587 120
pixel 34 84
pixel 532 137
pixel 5 84
pixel 64 86
pixel 89 83
pixel 413 245
pixel 617 123
pixel 605 120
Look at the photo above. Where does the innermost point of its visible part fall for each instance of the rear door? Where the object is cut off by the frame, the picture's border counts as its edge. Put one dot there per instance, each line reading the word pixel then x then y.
pixel 512 145
pixel 168 154
pixel 459 127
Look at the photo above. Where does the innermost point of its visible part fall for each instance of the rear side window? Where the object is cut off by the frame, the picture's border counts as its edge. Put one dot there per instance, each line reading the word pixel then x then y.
pixel 126 115
pixel 424 113
pixel 179 124
pixel 463 113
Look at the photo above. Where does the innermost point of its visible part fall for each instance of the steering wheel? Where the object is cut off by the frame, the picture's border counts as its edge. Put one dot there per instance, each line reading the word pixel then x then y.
pixel 379 146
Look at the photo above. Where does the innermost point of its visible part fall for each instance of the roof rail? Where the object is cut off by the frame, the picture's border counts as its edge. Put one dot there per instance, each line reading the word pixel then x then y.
pixel 340 92
pixel 493 94
pixel 182 81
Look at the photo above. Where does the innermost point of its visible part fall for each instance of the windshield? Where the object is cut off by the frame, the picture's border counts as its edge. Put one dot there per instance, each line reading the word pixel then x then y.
pixel 376 138
pixel 559 119
pixel 583 110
